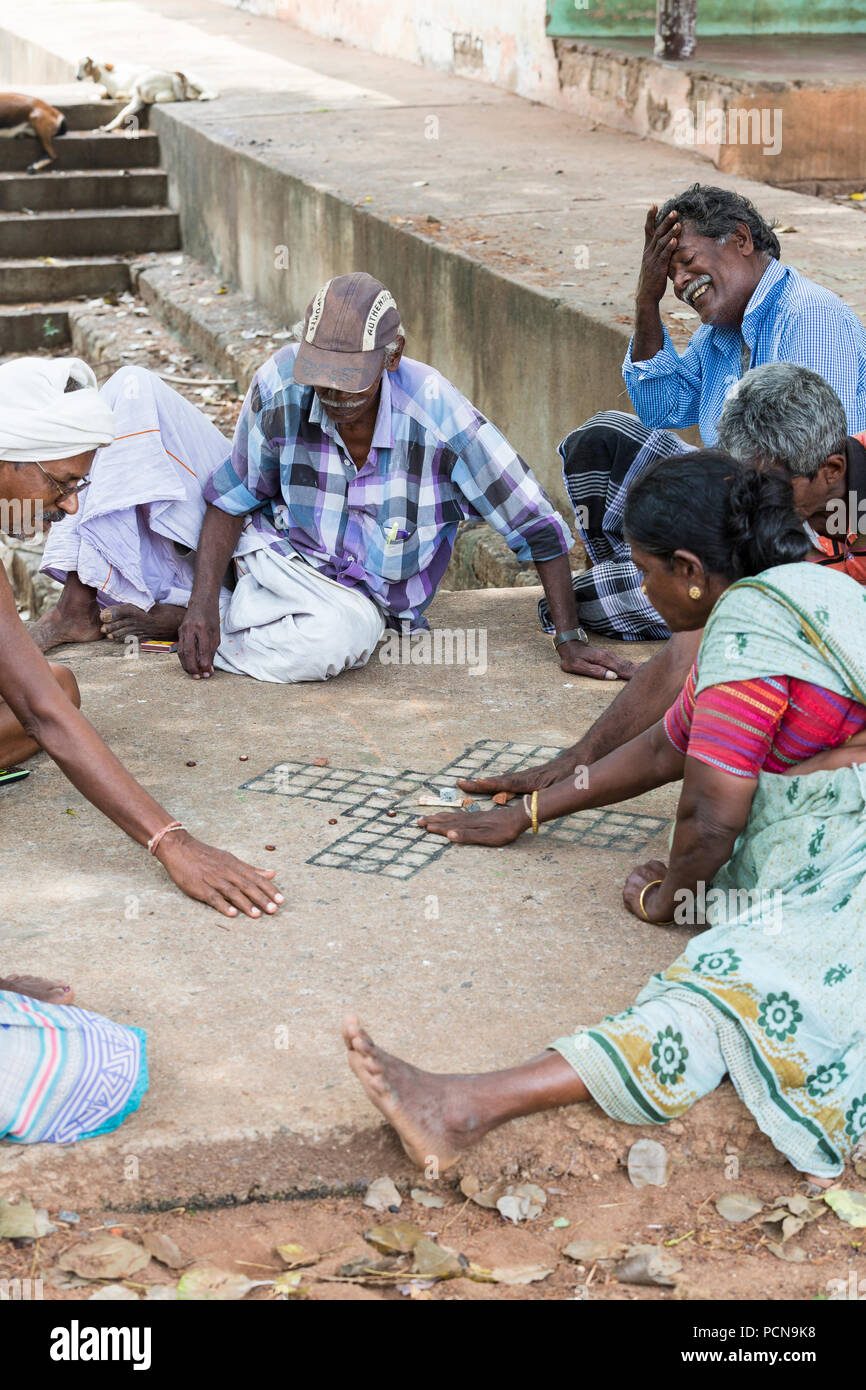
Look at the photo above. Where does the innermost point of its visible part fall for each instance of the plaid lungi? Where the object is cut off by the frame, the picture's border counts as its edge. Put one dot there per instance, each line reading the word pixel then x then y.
pixel 601 459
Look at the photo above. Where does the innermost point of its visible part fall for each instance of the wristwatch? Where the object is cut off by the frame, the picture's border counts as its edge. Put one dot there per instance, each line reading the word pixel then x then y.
pixel 575 634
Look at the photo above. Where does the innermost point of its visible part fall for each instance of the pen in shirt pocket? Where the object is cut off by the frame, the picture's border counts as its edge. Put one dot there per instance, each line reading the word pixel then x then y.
pixel 394 534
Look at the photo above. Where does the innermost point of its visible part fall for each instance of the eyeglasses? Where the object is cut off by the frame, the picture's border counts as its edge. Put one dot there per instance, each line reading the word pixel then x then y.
pixel 64 490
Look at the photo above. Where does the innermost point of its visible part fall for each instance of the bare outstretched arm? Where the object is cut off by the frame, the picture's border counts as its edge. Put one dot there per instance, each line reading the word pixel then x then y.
pixel 29 687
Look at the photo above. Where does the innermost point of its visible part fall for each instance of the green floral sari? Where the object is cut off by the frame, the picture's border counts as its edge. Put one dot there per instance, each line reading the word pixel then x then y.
pixel 780 974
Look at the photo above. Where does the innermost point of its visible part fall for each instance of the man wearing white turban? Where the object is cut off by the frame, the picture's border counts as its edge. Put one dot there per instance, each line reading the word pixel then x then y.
pixel 38 704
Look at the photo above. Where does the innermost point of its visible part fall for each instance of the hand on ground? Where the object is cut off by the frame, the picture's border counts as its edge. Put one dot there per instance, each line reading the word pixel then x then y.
pixel 500 826
pixel 198 638
pixel 575 659
pixel 637 880
pixel 531 779
pixel 215 877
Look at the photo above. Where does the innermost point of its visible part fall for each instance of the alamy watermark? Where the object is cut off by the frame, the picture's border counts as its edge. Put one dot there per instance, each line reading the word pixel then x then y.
pixel 736 125
pixel 709 906
pixel 21 516
pixel 443 646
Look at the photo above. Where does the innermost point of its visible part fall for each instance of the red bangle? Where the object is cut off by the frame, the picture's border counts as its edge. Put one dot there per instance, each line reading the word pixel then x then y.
pixel 153 842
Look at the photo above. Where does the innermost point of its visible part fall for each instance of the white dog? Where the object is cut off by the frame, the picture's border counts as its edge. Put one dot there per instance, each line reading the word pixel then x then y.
pixel 142 87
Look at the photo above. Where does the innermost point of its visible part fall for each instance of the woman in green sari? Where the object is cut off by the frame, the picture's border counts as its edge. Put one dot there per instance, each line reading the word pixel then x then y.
pixel 770 836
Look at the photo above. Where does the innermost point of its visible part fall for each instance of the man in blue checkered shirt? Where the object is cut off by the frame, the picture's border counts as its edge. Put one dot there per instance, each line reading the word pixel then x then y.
pixel 351 469
pixel 722 258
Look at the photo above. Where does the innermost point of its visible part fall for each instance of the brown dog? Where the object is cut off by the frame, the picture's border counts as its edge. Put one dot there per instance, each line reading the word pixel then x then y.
pixel 21 115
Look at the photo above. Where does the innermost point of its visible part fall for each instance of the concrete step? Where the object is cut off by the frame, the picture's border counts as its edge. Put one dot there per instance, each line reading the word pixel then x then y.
pixel 42 281
pixel 87 233
pixel 100 188
pixel 79 101
pixel 84 149
pixel 89 115
pixel 224 327
pixel 27 327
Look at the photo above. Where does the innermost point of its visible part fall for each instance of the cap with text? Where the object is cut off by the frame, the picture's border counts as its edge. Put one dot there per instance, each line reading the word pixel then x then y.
pixel 347 326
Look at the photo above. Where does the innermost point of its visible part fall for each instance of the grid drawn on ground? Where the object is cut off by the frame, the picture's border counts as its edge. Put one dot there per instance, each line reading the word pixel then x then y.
pixel 393 845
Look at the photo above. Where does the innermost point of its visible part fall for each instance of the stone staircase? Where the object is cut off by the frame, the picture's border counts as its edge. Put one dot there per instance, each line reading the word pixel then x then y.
pixel 70 233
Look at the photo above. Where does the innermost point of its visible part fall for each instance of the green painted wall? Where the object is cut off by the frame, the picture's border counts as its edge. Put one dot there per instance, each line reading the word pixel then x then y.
pixel 636 18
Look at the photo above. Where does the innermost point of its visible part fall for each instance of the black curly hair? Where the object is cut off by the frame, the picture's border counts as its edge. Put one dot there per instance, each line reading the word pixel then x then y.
pixel 738 521
pixel 715 212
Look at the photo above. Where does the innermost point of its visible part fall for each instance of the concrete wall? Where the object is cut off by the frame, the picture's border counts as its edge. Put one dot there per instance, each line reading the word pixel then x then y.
pixel 535 365
pixel 498 41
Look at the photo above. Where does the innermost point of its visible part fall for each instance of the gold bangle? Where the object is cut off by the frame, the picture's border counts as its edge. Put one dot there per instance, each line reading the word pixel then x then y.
pixel 643 891
pixel 534 812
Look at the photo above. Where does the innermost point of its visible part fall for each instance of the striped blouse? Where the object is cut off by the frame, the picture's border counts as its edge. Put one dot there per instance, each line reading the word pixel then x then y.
pixel 769 725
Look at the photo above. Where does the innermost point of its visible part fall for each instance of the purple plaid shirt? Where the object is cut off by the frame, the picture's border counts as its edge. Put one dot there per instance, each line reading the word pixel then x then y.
pixel 388 527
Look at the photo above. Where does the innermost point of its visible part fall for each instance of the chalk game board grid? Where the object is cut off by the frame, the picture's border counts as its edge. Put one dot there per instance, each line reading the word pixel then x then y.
pixel 397 848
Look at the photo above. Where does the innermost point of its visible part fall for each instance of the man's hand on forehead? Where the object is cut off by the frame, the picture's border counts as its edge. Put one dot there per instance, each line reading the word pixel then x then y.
pixel 659 245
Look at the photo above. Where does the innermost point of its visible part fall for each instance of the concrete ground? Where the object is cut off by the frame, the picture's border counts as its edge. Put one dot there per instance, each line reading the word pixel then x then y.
pixel 249 1086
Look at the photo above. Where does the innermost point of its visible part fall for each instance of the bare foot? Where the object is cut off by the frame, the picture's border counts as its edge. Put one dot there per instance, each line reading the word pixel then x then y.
pixel 161 621
pixel 36 988
pixel 430 1113
pixel 61 625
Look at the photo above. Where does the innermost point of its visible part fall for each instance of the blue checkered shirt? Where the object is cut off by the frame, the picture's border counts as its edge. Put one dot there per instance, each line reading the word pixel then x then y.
pixel 787 319
pixel 388 527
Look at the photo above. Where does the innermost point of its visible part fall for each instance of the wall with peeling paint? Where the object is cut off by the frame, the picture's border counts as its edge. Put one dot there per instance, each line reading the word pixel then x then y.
pixel 498 41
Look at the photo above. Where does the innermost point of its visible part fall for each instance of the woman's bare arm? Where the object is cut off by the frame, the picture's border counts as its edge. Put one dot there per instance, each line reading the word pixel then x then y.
pixel 645 762
pixel 713 810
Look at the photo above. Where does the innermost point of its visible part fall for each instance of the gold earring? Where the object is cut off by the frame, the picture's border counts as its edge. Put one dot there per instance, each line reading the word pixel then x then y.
pixel 695 592
pixel 643 589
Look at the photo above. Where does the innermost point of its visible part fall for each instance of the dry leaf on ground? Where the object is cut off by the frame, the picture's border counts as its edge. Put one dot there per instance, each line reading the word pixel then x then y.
pixel 397 1239
pixel 105 1257
pixel 382 1195
pixel 426 1199
pixel 208 1282
pixel 434 1261
pixel 20 1221
pixel 589 1251
pixel 738 1206
pixel 647 1264
pixel 648 1164
pixel 163 1248
pixel 850 1207
pixel 513 1275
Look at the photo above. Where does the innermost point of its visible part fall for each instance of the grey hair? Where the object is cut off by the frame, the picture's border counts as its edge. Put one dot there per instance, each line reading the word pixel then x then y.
pixel 786 415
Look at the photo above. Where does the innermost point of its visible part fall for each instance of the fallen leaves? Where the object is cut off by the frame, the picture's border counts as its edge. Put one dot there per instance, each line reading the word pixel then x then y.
pixel 210 1283
pixel 20 1221
pixel 382 1195
pixel 105 1257
pixel 398 1239
pixel 850 1207
pixel 426 1199
pixel 594 1251
pixel 516 1203
pixel 648 1264
pixel 648 1164
pixel 738 1206
pixel 163 1248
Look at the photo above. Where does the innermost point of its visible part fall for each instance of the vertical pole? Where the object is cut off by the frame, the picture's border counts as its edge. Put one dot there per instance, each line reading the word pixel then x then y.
pixel 675 29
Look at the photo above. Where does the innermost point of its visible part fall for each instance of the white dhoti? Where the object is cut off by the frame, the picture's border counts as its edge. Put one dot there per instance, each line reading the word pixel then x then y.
pixel 286 622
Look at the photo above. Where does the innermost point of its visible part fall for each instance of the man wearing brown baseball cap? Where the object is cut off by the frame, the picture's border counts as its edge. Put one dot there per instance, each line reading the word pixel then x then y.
pixel 351 469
